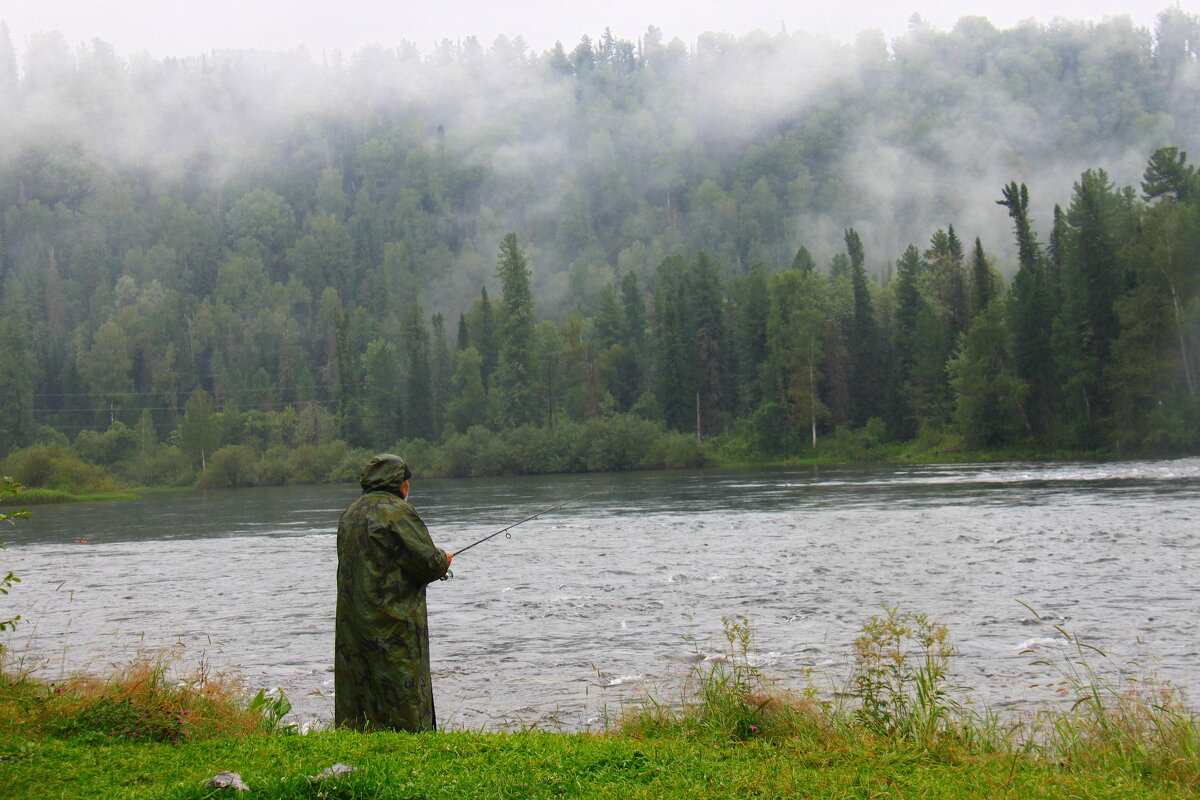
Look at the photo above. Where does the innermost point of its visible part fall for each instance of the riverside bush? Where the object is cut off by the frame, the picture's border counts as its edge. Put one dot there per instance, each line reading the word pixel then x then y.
pixel 620 442
pixel 232 466
pixel 109 447
pixel 677 451
pixel 54 466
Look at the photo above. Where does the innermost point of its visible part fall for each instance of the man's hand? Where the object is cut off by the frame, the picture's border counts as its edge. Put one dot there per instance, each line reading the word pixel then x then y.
pixel 449 558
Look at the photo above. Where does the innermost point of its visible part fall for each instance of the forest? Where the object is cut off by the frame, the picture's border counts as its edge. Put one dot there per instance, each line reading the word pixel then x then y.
pixel 248 268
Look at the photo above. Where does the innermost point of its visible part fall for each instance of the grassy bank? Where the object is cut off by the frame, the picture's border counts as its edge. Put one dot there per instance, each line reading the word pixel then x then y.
pixel 527 766
pixel 145 732
pixel 62 472
pixel 39 497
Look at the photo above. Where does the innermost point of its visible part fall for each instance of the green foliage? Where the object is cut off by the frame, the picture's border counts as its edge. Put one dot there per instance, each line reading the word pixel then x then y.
pixel 54 466
pixel 273 710
pixel 146 700
pixel 231 466
pixel 677 451
pixel 106 448
pixel 618 443
pixel 725 698
pixel 511 395
pixel 901 667
pixel 282 302
pixel 990 398
pixel 1119 715
pixel 8 579
pixel 111 718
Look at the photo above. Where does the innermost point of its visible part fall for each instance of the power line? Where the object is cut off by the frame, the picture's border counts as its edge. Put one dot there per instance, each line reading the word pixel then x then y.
pixel 154 394
pixel 123 409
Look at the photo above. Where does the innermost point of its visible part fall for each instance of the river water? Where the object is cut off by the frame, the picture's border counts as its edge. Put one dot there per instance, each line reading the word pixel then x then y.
pixel 597 603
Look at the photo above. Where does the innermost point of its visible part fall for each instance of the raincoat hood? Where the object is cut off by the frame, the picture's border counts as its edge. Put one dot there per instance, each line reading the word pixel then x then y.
pixel 384 473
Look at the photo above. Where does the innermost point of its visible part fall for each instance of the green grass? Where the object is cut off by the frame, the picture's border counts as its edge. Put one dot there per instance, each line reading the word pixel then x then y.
pixel 541 765
pixel 145 732
pixel 37 497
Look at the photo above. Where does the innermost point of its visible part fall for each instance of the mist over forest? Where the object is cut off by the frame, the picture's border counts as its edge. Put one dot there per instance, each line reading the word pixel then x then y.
pixel 249 224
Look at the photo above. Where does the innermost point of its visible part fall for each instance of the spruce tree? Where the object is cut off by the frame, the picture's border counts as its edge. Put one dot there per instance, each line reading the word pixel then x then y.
pixel 982 282
pixel 675 364
pixel 1031 315
pixel 900 416
pixel 419 421
pixel 866 366
pixel 512 395
pixel 382 407
pixel 442 370
pixel 708 325
pixel 484 339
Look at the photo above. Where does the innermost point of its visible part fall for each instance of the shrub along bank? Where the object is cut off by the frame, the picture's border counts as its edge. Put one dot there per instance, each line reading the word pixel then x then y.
pixel 257 451
pixel 608 444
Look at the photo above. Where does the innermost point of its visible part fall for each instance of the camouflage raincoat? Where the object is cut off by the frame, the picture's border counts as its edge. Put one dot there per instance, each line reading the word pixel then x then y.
pixel 381 652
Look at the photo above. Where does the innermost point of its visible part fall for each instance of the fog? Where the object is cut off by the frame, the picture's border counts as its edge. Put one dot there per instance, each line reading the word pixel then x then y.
pixel 181 28
pixel 894 137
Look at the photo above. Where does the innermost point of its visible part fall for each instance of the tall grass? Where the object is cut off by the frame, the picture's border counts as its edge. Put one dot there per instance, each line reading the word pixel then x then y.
pixel 899 696
pixel 148 699
pixel 1119 715
pixel 900 690
pixel 726 697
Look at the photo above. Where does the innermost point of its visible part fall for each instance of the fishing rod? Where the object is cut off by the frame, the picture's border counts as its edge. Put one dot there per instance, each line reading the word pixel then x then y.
pixel 527 519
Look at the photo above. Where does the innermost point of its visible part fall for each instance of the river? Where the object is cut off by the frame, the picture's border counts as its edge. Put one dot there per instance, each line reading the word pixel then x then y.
pixel 594 604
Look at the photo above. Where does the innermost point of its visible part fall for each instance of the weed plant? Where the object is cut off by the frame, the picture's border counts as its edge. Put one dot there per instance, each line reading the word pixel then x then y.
pixel 902 663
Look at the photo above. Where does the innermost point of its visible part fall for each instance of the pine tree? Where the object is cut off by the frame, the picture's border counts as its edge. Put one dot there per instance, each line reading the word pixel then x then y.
pixel 900 415
pixel 1031 316
pixel 629 364
pixel 419 421
pixel 462 339
pixel 1086 324
pixel 983 285
pixel 468 400
pixel 382 405
pixel 707 320
pixel 16 385
pixel 511 394
pixel 750 309
pixel 803 260
pixel 866 366
pixel 484 339
pixel 989 397
pixel 1169 175
pixel 442 371
pixel 675 365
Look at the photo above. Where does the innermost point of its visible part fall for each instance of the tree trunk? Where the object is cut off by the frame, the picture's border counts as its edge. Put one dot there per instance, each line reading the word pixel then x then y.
pixel 1183 348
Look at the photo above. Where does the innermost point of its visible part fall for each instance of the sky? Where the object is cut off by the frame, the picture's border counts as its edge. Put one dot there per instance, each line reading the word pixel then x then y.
pixel 188 27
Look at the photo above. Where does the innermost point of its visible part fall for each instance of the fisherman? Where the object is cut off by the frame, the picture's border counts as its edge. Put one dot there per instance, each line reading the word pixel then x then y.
pixel 385 560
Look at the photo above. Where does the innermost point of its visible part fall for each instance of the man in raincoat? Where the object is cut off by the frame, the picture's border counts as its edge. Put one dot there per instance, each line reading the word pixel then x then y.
pixel 385 560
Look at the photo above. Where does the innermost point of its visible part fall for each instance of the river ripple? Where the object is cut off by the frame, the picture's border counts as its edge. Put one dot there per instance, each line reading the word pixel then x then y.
pixel 595 603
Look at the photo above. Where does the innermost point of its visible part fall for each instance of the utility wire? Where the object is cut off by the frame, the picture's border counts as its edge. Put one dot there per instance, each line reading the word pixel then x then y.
pixel 152 394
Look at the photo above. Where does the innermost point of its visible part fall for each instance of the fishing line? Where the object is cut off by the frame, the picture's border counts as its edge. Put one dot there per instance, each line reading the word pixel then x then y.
pixel 505 530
